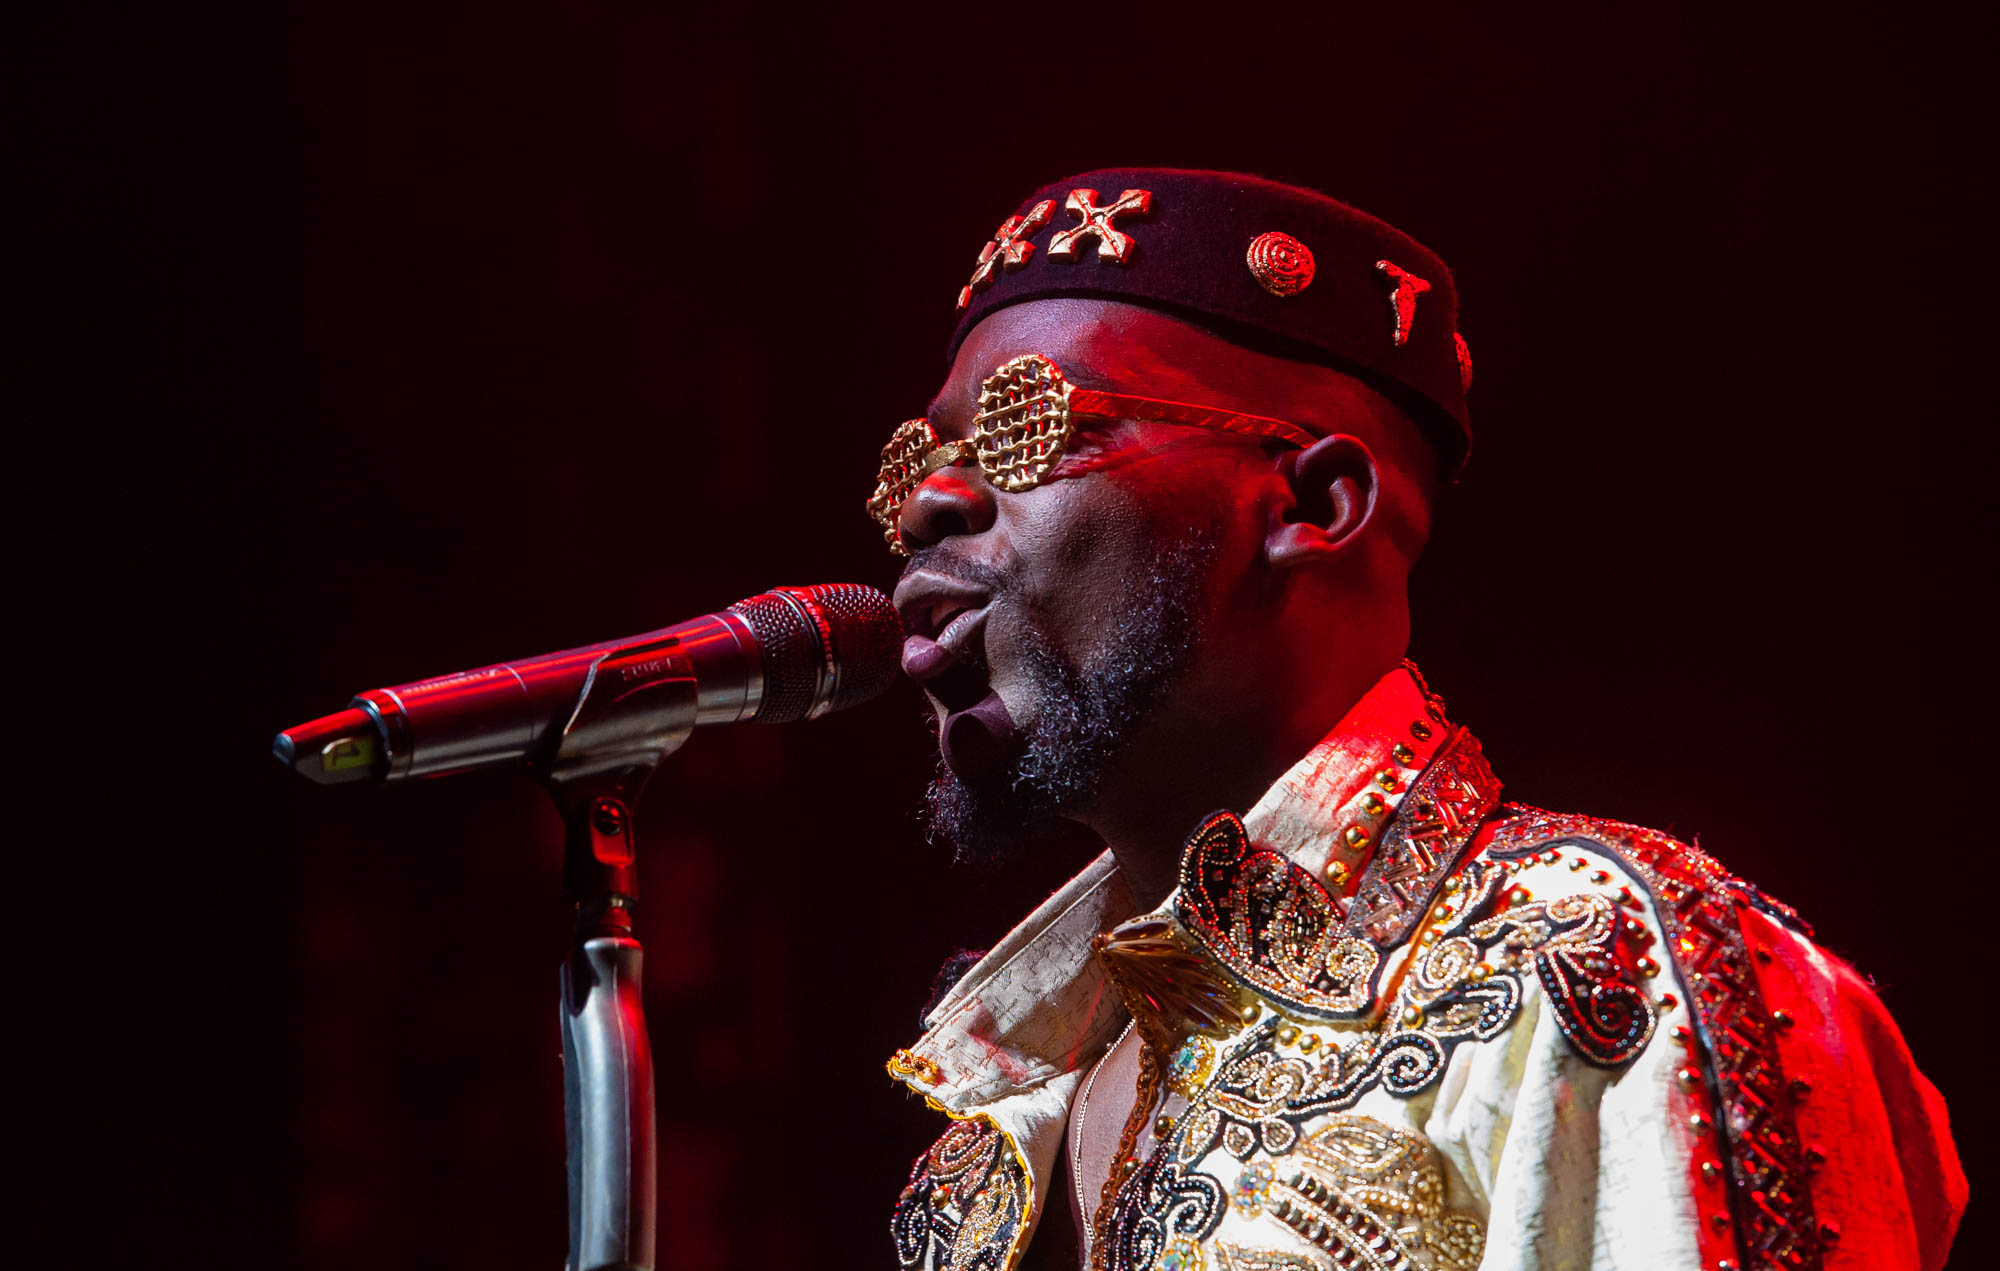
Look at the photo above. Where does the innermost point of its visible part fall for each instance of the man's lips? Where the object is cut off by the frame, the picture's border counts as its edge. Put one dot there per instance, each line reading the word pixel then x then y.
pixel 926 657
pixel 941 617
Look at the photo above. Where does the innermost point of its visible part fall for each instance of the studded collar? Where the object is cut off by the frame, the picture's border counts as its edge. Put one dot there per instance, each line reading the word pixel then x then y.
pixel 1038 1007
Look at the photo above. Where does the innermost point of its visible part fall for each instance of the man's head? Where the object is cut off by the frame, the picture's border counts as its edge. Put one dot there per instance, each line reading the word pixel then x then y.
pixel 1175 611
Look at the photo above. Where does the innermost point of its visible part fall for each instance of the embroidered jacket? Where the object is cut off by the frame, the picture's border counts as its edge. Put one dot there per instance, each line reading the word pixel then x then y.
pixel 1390 1022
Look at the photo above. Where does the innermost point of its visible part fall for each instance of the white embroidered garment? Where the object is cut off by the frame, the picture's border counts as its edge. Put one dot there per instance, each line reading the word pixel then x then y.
pixel 1389 1024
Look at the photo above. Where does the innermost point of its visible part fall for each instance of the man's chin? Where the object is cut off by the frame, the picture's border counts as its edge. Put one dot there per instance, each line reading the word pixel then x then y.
pixel 979 817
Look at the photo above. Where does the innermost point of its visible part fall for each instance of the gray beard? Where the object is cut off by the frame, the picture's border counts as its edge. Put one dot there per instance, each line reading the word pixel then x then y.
pixel 1087 719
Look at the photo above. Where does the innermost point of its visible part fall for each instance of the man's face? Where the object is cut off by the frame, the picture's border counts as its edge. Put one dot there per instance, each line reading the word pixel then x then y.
pixel 1055 627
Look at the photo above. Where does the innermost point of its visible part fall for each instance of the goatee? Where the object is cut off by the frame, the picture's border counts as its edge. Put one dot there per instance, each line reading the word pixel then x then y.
pixel 1087 716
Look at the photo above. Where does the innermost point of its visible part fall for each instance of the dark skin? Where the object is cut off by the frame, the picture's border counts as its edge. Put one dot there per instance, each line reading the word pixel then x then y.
pixel 1303 610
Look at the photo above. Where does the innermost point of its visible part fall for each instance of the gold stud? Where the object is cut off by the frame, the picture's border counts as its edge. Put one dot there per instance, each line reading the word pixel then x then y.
pixel 1387 780
pixel 1250 1012
pixel 1163 1127
pixel 1668 1001
pixel 1420 730
pixel 1601 876
pixel 1683 1034
pixel 1287 1035
pixel 1337 875
pixel 1710 1171
pixel 1648 967
pixel 1480 973
pixel 1519 896
pixel 1373 804
pixel 1445 912
pixel 1578 863
pixel 1403 753
pixel 1429 937
pixel 1690 1078
pixel 1356 837
pixel 1698 1123
pixel 1783 1019
pixel 1413 1015
pixel 1309 1043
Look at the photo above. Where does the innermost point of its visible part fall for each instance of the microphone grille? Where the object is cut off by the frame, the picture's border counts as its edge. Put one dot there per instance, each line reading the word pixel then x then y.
pixel 823 648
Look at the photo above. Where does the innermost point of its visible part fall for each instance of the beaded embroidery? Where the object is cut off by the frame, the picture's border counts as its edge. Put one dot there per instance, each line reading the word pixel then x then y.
pixel 965 1203
pixel 1770 1198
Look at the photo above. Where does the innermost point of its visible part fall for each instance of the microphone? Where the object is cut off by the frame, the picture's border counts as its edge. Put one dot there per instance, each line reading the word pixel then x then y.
pixel 790 653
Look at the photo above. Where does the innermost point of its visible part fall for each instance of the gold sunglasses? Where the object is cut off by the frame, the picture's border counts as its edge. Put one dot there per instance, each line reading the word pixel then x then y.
pixel 1027 414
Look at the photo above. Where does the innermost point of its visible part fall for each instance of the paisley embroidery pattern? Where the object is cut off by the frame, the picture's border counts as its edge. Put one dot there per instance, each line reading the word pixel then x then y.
pixel 1159 1203
pixel 964 1205
pixel 1462 983
pixel 1770 1205
pixel 1271 924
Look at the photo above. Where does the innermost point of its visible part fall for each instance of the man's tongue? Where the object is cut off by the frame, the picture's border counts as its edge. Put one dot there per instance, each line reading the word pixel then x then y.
pixel 979 739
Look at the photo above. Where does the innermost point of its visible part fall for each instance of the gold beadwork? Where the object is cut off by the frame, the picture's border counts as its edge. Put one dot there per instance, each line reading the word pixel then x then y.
pixel 1413 1015
pixel 1403 753
pixel 1287 1035
pixel 1373 804
pixel 1355 837
pixel 1337 875
pixel 1281 264
pixel 1387 780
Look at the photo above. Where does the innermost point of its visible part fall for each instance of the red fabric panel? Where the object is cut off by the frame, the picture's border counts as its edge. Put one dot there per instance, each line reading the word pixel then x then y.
pixel 1891 1181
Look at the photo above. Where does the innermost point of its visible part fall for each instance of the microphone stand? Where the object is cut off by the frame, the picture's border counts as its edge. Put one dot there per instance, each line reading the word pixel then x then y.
pixel 609 748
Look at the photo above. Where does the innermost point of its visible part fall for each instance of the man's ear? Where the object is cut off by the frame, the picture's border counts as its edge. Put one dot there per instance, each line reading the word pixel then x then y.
pixel 1331 488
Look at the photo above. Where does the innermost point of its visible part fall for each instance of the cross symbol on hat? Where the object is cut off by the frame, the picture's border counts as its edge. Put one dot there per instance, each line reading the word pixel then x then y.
pixel 1009 248
pixel 1111 244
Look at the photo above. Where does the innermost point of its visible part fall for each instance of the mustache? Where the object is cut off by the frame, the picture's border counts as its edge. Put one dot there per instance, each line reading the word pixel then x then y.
pixel 942 561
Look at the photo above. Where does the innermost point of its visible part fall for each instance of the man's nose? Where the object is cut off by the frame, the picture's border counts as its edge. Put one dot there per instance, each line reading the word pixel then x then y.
pixel 954 500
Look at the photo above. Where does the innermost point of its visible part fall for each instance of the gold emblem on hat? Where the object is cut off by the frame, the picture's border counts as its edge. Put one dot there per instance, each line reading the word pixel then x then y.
pixel 1281 264
pixel 1009 249
pixel 1097 223
pixel 1403 299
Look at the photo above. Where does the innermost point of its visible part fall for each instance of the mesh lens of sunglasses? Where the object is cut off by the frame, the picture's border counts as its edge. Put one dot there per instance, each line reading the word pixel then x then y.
pixel 913 453
pixel 1023 422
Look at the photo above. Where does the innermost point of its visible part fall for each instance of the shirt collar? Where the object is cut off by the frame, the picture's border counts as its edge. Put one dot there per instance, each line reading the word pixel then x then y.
pixel 1039 1005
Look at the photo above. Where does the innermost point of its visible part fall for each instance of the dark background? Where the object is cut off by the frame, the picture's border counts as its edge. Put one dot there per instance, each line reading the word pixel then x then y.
pixel 392 339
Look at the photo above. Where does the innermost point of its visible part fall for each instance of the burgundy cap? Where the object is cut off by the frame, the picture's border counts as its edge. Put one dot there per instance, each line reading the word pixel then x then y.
pixel 1263 263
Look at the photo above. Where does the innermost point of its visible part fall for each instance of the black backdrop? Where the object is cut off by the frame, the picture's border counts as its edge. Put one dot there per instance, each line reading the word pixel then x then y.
pixel 397 339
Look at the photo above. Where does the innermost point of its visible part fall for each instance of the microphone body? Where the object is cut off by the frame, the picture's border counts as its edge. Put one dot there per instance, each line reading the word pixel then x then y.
pixel 791 653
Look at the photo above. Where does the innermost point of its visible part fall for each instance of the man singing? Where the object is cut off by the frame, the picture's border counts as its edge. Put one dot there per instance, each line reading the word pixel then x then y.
pixel 1327 1000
